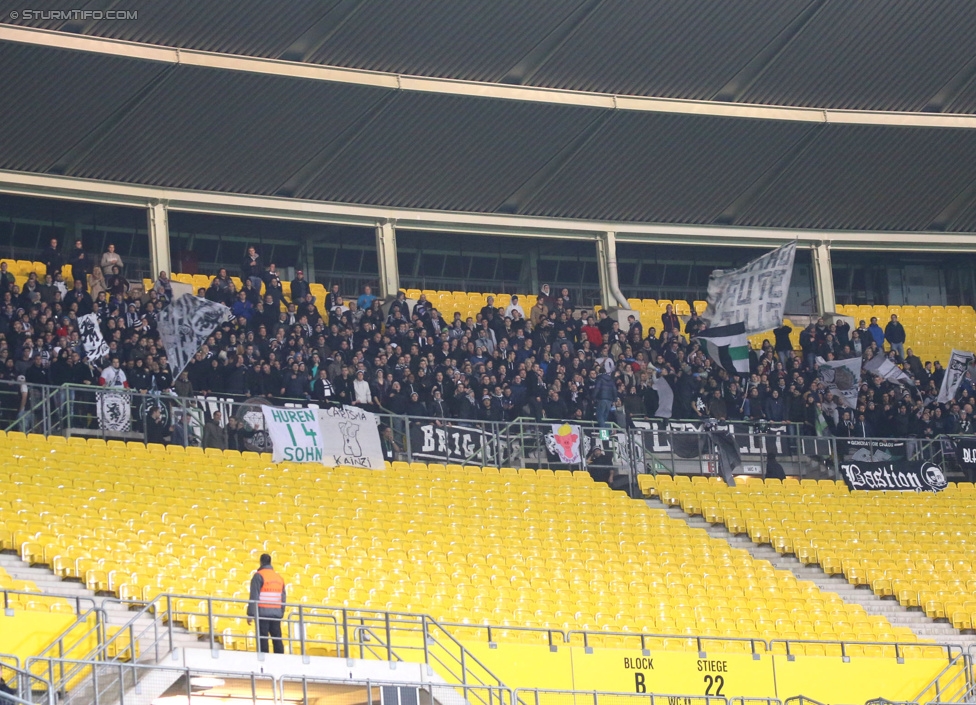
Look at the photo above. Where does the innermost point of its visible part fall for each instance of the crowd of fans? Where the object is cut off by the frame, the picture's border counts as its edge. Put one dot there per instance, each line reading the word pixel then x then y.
pixel 556 361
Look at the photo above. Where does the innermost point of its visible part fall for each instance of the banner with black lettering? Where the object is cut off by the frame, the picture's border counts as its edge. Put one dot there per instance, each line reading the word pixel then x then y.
pixel 455 444
pixel 685 439
pixel 966 456
pixel 871 450
pixel 897 476
pixel 351 437
pixel 755 294
pixel 959 364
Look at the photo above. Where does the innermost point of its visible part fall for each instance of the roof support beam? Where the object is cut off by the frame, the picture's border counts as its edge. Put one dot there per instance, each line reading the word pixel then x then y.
pixel 386 256
pixel 823 278
pixel 423 84
pixel 273 207
pixel 157 219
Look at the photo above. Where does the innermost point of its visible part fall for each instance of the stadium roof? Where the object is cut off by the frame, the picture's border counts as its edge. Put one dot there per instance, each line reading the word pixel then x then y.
pixel 180 124
pixel 863 54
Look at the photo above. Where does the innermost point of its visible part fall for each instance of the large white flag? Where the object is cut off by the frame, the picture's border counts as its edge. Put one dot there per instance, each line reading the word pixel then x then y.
pixel 959 364
pixel 755 294
pixel 185 325
pixel 842 377
pixel 91 337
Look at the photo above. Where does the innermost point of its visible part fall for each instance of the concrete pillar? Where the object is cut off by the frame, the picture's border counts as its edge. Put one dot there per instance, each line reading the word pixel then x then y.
pixel 823 278
pixel 159 255
pixel 386 256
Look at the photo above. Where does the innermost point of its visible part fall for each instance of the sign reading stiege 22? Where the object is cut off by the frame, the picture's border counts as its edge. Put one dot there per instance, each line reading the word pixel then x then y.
pixel 902 476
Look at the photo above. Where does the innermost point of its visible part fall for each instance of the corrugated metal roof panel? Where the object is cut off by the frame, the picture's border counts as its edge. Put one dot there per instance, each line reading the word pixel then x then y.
pixel 871 54
pixel 226 131
pixel 676 169
pixel 52 99
pixel 873 178
pixel 435 151
pixel 250 27
pixel 965 101
pixel 685 49
pixel 467 39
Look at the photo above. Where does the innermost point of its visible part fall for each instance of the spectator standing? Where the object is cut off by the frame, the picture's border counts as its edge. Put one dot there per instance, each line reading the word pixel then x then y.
pixel 111 259
pixel 98 283
pixel 876 333
pixel 214 435
pixel 299 288
pixel 366 299
pixel 670 323
pixel 604 396
pixel 163 286
pixel 784 346
pixel 52 258
pixel 114 376
pixel 81 266
pixel 267 605
pixel 894 333
pixel 252 269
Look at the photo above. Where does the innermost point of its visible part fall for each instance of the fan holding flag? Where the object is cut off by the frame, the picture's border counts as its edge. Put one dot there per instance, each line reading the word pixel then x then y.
pixel 727 346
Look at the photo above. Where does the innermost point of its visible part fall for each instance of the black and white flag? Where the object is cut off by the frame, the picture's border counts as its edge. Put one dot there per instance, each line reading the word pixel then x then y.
pixel 91 338
pixel 842 377
pixel 185 325
pixel 959 364
pixel 755 294
pixel 883 367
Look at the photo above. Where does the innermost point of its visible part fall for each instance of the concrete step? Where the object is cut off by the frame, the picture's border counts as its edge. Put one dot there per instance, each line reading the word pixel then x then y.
pixel 116 614
pixel 920 624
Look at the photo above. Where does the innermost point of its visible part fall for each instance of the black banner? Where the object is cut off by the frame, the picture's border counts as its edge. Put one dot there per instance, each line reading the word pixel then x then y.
pixel 898 476
pixel 865 450
pixel 966 456
pixel 456 444
pixel 685 439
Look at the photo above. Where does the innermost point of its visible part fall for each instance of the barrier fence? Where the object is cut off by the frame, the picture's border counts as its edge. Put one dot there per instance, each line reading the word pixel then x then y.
pixel 668 446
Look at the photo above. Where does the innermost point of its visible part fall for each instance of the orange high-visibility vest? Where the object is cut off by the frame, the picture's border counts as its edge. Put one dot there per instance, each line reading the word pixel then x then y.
pixel 272 592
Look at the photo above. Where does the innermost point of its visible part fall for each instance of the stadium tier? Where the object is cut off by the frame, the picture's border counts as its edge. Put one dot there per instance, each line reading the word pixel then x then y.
pixel 917 547
pixel 933 331
pixel 517 548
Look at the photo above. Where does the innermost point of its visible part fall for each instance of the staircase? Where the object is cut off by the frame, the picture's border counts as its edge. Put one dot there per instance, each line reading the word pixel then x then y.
pixel 922 626
pixel 116 614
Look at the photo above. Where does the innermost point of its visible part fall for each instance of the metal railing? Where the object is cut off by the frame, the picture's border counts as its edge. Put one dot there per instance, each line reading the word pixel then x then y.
pixel 29 689
pixel 307 630
pixel 953 684
pixel 539 696
pixel 670 446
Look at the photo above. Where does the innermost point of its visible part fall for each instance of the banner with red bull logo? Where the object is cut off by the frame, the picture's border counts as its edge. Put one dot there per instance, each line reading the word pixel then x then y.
pixel 564 442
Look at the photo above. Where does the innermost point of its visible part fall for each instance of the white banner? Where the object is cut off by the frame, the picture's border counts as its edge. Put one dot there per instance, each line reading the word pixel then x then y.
pixel 959 364
pixel 114 411
pixel 564 442
pixel 351 436
pixel 296 435
pixel 842 377
pixel 755 294
pixel 91 337
pixel 185 325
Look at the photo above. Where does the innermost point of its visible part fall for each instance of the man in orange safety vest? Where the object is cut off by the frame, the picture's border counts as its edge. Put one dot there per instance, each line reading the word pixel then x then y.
pixel 267 605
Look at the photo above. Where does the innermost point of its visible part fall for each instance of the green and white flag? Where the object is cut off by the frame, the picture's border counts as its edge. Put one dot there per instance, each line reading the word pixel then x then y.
pixel 728 346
